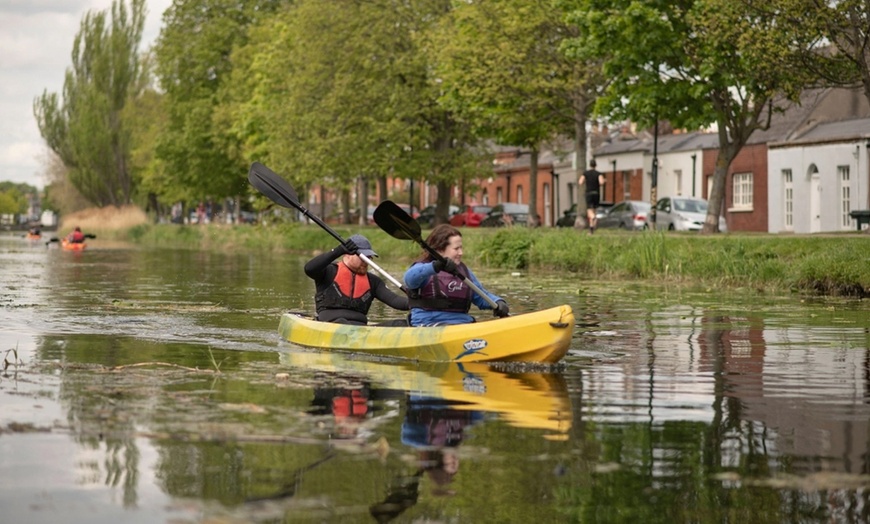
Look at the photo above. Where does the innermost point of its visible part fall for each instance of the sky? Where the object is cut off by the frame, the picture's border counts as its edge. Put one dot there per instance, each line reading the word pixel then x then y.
pixel 36 38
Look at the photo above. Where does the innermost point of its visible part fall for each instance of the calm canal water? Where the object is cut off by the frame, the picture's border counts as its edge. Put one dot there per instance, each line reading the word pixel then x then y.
pixel 151 386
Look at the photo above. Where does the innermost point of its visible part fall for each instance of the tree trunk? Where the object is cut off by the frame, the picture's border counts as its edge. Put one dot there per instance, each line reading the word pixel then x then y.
pixel 580 138
pixel 727 152
pixel 533 187
pixel 442 203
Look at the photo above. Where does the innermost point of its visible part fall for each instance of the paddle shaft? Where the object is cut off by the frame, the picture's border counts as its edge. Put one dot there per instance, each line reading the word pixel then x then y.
pixel 267 176
pixel 367 260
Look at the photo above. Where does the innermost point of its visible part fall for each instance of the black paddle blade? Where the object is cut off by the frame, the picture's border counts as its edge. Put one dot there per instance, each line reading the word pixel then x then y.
pixel 90 235
pixel 272 186
pixel 396 222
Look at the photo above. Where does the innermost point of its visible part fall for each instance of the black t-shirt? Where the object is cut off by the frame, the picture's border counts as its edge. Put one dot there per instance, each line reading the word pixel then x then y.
pixel 592 182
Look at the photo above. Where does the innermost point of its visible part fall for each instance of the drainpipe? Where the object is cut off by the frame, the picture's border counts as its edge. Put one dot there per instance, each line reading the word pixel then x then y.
pixel 613 190
pixel 694 157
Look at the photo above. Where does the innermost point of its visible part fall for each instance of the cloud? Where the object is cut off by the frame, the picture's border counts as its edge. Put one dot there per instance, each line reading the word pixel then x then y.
pixel 36 37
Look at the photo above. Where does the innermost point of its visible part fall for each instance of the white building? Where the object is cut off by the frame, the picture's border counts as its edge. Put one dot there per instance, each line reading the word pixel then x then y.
pixel 817 179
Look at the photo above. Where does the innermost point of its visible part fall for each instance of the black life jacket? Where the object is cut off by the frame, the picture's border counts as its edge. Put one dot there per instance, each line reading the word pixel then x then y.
pixel 443 292
pixel 349 290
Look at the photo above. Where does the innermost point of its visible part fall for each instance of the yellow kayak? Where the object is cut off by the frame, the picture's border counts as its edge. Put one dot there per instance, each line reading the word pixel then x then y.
pixel 542 336
pixel 525 400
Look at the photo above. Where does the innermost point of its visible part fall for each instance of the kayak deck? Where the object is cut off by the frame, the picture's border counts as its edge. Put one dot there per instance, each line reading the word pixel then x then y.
pixel 541 336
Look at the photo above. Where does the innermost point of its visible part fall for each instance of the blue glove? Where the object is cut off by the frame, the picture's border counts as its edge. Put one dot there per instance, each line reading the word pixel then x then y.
pixel 501 309
pixel 350 247
pixel 445 265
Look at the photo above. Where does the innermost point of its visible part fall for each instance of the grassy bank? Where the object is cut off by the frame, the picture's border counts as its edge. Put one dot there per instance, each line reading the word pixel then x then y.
pixel 830 264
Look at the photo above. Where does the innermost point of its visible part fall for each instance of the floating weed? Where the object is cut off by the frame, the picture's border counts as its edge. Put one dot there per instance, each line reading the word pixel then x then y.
pixel 15 360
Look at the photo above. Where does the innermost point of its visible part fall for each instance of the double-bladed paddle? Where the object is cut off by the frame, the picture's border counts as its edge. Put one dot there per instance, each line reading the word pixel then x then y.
pixel 55 239
pixel 399 224
pixel 282 193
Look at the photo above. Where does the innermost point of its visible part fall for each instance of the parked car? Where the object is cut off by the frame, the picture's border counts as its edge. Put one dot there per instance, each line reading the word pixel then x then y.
pixel 684 214
pixel 629 214
pixel 427 215
pixel 506 214
pixel 470 215
pixel 570 216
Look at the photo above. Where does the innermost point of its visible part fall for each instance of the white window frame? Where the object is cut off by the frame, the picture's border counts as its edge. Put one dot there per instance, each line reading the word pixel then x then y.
pixel 678 180
pixel 788 200
pixel 741 192
pixel 519 194
pixel 843 176
pixel 626 185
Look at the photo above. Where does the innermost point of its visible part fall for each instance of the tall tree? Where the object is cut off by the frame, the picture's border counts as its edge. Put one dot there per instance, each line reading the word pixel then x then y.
pixel 193 65
pixel 839 31
pixel 85 128
pixel 695 63
pixel 504 69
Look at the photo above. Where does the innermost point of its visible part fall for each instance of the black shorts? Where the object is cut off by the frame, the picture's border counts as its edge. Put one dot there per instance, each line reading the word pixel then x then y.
pixel 592 199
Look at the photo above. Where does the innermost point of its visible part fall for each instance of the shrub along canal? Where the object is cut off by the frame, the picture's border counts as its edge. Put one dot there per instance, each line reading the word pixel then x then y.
pixel 150 385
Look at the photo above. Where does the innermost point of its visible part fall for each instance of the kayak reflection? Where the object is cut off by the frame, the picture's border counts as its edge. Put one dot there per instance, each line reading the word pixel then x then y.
pixel 522 399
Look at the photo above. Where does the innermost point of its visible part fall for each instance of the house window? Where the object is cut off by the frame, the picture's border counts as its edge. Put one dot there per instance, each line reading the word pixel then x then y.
pixel 788 200
pixel 499 196
pixel 485 198
pixel 845 197
pixel 519 194
pixel 626 185
pixel 741 198
pixel 678 179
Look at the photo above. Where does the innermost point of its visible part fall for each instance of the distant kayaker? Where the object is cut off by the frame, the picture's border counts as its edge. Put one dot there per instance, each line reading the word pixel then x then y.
pixel 76 237
pixel 345 289
pixel 438 295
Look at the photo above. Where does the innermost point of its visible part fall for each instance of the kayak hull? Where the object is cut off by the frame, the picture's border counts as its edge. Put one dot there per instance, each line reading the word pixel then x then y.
pixel 72 246
pixel 542 336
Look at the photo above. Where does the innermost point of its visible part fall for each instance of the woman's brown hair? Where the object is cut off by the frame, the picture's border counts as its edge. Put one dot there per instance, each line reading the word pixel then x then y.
pixel 438 239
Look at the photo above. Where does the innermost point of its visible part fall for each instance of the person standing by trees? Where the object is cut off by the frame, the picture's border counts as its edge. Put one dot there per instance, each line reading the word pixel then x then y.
pixel 594 181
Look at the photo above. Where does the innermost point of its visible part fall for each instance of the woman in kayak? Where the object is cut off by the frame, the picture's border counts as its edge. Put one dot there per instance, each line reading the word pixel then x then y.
pixel 438 292
pixel 345 289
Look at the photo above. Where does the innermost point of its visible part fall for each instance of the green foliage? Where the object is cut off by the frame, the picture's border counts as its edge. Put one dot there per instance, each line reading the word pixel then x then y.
pixel 86 128
pixel 13 199
pixel 193 64
pixel 508 248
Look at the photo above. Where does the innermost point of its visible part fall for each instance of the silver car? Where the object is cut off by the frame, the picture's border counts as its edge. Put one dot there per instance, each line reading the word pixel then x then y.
pixel 629 214
pixel 683 214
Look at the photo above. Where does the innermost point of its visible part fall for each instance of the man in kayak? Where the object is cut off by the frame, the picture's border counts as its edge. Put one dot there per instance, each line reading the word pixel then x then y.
pixel 438 294
pixel 76 237
pixel 345 289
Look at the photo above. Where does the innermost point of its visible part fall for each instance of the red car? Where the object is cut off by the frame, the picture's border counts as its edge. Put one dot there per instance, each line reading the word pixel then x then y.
pixel 470 215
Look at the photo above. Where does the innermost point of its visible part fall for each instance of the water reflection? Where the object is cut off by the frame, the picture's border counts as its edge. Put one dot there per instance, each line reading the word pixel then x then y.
pixel 433 428
pixel 673 405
